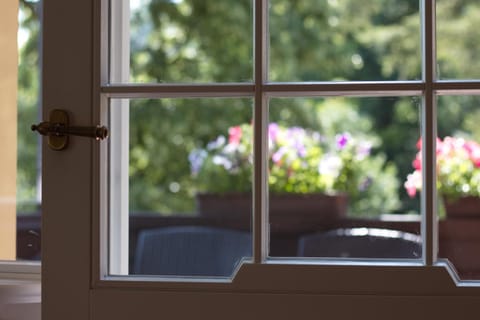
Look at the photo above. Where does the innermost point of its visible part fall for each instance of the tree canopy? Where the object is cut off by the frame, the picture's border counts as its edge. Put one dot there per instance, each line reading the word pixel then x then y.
pixel 188 41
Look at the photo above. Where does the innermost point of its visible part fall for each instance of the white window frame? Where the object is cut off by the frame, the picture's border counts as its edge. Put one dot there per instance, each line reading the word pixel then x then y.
pixel 431 268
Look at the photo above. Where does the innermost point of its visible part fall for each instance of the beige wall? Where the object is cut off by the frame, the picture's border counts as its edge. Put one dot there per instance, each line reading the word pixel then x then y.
pixel 8 126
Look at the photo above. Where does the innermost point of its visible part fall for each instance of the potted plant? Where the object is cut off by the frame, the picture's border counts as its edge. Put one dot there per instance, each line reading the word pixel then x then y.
pixel 458 175
pixel 319 172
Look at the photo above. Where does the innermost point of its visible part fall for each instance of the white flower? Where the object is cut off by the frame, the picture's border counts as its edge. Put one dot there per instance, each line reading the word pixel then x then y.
pixel 219 142
pixel 330 165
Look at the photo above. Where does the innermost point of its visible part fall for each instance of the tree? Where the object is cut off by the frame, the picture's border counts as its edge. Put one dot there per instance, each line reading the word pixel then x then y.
pixel 168 45
pixel 209 41
pixel 28 107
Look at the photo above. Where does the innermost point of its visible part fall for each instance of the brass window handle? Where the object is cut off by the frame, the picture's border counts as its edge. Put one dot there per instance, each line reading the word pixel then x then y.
pixel 58 130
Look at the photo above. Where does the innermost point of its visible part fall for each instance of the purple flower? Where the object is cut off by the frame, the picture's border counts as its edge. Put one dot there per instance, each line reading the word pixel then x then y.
pixel 272 131
pixel 363 150
pixel 301 151
pixel 297 137
pixel 196 158
pixel 219 142
pixel 277 156
pixel 342 140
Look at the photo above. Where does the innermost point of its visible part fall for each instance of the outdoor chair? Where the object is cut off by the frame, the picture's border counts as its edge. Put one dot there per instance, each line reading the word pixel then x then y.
pixel 191 251
pixel 361 243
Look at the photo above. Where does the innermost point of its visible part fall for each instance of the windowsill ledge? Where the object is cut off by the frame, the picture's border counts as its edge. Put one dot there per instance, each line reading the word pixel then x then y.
pixel 20 299
pixel 20 270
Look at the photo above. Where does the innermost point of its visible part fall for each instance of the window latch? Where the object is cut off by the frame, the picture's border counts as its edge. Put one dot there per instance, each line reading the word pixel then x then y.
pixel 57 130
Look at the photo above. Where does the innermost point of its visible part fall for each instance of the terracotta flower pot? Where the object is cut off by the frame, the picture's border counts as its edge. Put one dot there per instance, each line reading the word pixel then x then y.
pixel 464 207
pixel 318 206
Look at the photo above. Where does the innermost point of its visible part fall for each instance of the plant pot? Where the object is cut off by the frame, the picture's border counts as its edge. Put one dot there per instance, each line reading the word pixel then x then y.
pixel 464 207
pixel 318 206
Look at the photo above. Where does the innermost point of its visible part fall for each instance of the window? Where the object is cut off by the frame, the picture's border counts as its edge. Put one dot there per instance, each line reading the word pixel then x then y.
pixel 328 71
pixel 102 285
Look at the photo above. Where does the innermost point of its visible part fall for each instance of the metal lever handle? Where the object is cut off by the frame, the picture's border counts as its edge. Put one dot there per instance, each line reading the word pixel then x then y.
pixel 58 130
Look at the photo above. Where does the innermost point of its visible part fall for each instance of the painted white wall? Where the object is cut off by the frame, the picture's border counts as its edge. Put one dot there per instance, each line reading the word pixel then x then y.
pixel 8 127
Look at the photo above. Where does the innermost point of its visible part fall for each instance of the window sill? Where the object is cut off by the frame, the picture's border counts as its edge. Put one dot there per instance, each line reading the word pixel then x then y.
pixel 20 299
pixel 20 270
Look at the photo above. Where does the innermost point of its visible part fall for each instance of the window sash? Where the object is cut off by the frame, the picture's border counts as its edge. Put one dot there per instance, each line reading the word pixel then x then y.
pixel 262 90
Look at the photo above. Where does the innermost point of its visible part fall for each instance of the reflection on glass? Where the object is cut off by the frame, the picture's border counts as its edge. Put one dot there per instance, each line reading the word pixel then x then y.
pixel 189 186
pixel 336 172
pixel 191 41
pixel 458 176
pixel 344 40
pixel 458 49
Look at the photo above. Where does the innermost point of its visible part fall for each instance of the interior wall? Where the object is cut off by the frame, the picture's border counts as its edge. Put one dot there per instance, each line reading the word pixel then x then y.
pixel 8 126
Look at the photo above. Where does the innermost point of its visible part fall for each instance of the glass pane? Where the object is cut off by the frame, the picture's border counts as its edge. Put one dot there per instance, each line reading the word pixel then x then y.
pixel 191 41
pixel 337 173
pixel 344 40
pixel 458 49
pixel 458 174
pixel 28 193
pixel 188 164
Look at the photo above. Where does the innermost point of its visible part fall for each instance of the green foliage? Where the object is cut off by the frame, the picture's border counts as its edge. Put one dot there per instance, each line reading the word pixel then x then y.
pixel 162 133
pixel 27 104
pixel 224 165
pixel 191 41
pixel 458 56
pixel 336 159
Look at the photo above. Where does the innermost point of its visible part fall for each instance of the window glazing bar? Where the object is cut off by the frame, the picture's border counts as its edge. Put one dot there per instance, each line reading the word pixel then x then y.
pixel 132 91
pixel 457 87
pixel 300 89
pixel 429 135
pixel 260 143
pixel 365 89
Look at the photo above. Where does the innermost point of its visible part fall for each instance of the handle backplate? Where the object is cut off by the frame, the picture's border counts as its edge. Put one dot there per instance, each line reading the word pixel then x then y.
pixel 57 130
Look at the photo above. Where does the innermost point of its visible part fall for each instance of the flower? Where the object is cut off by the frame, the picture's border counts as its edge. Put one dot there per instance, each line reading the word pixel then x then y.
pixel 342 140
pixel 300 161
pixel 196 158
pixel 458 168
pixel 235 135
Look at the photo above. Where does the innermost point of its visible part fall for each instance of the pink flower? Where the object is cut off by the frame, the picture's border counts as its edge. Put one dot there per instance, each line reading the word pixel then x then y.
pixel 414 182
pixel 473 150
pixel 455 156
pixel 419 144
pixel 235 134
pixel 417 163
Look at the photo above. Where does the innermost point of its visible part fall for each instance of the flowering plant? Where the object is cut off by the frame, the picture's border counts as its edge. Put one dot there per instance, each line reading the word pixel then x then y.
pixel 458 168
pixel 300 161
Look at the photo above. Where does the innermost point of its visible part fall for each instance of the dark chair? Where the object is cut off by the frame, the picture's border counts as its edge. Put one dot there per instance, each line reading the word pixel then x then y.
pixel 361 243
pixel 191 251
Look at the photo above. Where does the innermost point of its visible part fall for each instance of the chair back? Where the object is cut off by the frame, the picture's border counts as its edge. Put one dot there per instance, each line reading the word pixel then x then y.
pixel 361 243
pixel 191 251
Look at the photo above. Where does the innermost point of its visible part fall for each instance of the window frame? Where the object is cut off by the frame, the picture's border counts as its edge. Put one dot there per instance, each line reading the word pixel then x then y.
pixel 410 276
